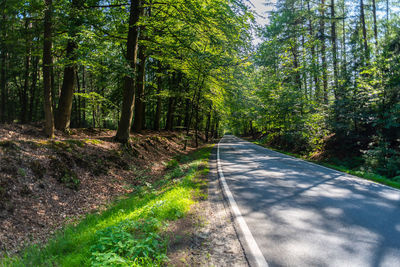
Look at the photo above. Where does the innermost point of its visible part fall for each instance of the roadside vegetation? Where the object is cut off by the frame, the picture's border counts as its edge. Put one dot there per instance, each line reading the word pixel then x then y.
pixel 324 84
pixel 130 232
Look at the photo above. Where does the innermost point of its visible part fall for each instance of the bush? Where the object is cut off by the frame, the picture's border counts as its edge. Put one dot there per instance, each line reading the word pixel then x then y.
pixel 383 159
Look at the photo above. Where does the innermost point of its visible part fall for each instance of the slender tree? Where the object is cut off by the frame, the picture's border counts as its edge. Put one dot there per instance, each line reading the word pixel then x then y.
pixel 47 65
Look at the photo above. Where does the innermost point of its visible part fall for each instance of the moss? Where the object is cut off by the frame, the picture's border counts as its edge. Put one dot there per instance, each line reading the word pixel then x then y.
pixel 93 141
pixel 74 142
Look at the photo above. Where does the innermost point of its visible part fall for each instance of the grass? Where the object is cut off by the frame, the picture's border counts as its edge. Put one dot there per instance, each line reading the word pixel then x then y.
pixel 130 231
pixel 359 173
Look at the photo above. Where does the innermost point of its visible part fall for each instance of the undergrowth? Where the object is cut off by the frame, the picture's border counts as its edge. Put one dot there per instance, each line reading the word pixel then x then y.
pixel 130 231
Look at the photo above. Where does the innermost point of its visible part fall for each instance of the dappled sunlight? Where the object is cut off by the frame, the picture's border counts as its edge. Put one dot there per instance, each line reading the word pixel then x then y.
pixel 309 212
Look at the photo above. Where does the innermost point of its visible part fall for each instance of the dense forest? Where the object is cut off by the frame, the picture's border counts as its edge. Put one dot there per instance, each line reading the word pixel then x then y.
pixel 109 110
pixel 118 64
pixel 324 79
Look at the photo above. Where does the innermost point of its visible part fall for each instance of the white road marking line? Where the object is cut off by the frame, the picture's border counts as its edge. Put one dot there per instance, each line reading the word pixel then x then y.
pixel 254 249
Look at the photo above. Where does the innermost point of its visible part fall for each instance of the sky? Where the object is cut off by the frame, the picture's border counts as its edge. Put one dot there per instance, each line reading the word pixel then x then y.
pixel 262 10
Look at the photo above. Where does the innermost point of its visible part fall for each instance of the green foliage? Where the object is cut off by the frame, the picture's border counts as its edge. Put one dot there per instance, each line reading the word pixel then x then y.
pixel 173 163
pixel 128 233
pixel 129 243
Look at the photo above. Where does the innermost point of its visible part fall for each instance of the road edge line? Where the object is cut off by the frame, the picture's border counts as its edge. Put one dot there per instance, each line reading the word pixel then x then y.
pixel 253 248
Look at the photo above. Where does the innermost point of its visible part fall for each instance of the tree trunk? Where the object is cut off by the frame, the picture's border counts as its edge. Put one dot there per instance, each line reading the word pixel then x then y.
pixel 157 115
pixel 334 49
pixel 128 102
pixel 344 59
pixel 83 100
pixel 78 103
pixel 375 23
pixel 3 108
pixel 387 16
pixel 47 65
pixel 63 119
pixel 32 107
pixel 208 123
pixel 364 31
pixel 24 93
pixel 170 114
pixel 140 85
pixel 323 52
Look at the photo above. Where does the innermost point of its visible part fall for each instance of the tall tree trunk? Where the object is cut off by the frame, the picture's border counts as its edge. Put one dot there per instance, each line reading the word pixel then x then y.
pixel 67 90
pixel 170 114
pixel 83 100
pixel 208 122
pixel 187 109
pixel 24 93
pixel 3 88
pixel 323 52
pixel 140 85
pixel 334 49
pixel 157 116
pixel 128 102
pixel 375 23
pixel 63 116
pixel 3 82
pixel 78 103
pixel 32 107
pixel 344 58
pixel 47 65
pixel 364 31
pixel 387 16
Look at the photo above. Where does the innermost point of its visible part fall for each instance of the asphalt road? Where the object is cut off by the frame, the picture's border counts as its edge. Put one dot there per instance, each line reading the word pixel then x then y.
pixel 301 214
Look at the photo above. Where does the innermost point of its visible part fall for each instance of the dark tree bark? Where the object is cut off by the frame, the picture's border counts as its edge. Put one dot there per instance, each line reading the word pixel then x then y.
pixel 313 54
pixel 334 49
pixel 140 85
pixel 83 100
pixel 24 93
pixel 78 102
pixel 344 58
pixel 128 102
pixel 32 106
pixel 364 31
pixel 323 52
pixel 63 119
pixel 169 126
pixel 375 23
pixel 47 65
pixel 3 82
pixel 208 123
pixel 157 116
pixel 187 109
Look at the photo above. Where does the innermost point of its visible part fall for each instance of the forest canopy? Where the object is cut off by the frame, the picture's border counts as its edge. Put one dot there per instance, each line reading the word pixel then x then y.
pixel 324 79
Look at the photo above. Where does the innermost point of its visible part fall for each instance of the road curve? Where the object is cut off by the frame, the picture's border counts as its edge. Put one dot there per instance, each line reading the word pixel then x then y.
pixel 302 214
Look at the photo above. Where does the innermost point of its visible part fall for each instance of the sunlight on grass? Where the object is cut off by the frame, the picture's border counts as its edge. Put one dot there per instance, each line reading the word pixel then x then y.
pixel 129 232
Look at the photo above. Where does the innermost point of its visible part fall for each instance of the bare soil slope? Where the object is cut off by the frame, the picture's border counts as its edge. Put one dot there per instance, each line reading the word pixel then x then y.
pixel 47 183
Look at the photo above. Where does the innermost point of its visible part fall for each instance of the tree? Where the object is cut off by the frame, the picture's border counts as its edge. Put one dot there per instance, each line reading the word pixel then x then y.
pixel 124 126
pixel 47 65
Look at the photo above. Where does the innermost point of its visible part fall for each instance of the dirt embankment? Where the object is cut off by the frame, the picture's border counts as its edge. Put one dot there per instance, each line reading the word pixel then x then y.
pixel 47 183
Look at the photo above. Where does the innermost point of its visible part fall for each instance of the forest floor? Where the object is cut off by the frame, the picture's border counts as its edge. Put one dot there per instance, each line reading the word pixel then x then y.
pixel 45 184
pixel 61 193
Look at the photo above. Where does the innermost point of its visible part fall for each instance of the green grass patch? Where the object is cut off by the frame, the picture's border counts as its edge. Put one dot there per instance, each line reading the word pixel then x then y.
pixel 130 231
pixel 338 165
